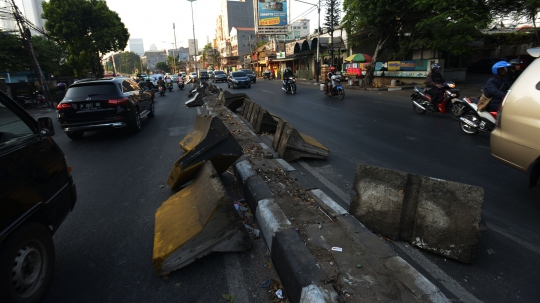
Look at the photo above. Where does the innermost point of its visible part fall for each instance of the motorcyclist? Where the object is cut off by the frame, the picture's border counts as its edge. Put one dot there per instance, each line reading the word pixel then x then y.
pixel 161 83
pixel 286 75
pixel 434 81
pixel 496 87
pixel 60 92
pixel 149 83
pixel 329 79
pixel 514 71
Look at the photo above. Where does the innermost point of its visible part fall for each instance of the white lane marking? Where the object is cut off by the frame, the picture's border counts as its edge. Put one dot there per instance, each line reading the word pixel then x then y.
pixel 266 91
pixel 235 277
pixel 322 105
pixel 327 183
pixel 448 282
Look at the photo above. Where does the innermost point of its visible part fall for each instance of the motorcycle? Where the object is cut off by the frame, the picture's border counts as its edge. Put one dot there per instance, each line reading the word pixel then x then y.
pixel 422 103
pixel 267 75
pixel 337 89
pixel 180 83
pixel 161 91
pixel 472 121
pixel 169 86
pixel 289 85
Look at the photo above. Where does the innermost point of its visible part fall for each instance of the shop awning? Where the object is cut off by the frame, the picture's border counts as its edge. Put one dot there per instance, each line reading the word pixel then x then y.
pixel 283 60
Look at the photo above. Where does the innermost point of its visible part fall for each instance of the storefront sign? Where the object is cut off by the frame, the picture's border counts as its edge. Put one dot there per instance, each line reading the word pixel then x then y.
pixel 421 65
pixel 394 65
pixel 408 65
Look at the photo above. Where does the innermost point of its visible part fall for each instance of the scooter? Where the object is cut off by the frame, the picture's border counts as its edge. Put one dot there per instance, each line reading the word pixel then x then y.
pixel 289 85
pixel 169 86
pixel 337 89
pixel 161 91
pixel 180 83
pixel 422 103
pixel 472 121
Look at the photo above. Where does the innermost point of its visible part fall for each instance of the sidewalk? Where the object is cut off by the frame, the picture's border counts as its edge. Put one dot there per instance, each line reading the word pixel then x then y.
pixel 320 251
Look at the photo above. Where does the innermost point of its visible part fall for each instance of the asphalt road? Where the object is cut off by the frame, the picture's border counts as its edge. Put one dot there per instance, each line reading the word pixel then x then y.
pixel 104 248
pixel 381 128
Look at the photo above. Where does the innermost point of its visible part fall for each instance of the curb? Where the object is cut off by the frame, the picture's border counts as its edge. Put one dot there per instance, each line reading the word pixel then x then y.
pixel 298 270
pixel 386 88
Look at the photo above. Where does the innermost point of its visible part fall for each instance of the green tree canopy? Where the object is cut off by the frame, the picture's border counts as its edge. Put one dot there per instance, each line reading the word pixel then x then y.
pixel 162 66
pixel 127 62
pixel 88 29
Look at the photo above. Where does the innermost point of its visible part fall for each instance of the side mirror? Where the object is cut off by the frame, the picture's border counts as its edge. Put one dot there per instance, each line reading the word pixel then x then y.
pixel 45 127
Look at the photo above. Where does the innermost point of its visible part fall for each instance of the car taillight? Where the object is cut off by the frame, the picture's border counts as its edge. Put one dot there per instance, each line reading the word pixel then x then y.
pixel 116 102
pixel 64 106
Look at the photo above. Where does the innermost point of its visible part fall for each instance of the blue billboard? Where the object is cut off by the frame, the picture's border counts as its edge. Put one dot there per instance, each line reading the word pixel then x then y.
pixel 272 12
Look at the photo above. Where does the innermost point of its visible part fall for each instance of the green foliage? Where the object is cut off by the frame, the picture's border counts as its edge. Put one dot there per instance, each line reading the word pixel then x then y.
pixel 162 66
pixel 333 13
pixel 13 56
pixel 509 39
pixel 127 62
pixel 88 29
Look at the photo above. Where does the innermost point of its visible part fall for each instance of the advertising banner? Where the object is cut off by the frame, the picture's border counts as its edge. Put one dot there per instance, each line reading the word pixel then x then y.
pixel 421 65
pixel 272 12
pixel 408 65
pixel 394 65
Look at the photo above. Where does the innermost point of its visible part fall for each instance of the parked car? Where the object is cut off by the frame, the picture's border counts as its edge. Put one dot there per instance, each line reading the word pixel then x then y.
pixel 103 104
pixel 515 140
pixel 37 192
pixel 219 76
pixel 193 76
pixel 238 79
pixel 250 74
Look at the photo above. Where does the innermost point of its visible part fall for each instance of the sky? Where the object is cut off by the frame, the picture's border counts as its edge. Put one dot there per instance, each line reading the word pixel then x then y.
pixel 153 20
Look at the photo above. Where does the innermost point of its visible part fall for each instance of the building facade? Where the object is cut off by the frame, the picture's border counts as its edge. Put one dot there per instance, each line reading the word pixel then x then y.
pixel 30 9
pixel 152 57
pixel 136 45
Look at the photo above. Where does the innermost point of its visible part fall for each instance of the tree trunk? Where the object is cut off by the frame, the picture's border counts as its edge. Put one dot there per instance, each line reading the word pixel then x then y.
pixel 368 79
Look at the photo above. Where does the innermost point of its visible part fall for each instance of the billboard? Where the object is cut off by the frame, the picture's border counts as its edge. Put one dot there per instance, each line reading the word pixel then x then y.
pixel 272 12
pixel 191 46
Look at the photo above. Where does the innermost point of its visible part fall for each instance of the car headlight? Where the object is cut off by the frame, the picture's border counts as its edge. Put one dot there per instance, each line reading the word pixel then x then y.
pixel 234 80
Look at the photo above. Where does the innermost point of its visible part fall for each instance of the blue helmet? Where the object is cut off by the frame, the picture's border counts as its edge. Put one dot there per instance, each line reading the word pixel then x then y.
pixel 500 64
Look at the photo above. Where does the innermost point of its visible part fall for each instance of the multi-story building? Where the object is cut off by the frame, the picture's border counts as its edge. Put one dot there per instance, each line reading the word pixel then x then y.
pixel 182 53
pixel 152 57
pixel 136 45
pixel 234 14
pixel 30 9
pixel 299 29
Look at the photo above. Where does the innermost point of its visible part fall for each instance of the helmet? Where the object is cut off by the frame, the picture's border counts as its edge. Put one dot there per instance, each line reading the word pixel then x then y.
pixel 61 86
pixel 501 64
pixel 159 78
pixel 332 68
pixel 515 62
pixel 435 67
pixel 288 69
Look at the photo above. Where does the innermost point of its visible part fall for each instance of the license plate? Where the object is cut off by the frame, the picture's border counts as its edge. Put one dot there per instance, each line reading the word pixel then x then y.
pixel 91 105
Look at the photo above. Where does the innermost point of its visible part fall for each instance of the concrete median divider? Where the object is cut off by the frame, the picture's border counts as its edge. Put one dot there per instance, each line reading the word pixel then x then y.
pixel 279 131
pixel 231 101
pixel 209 140
pixel 196 100
pixel 245 107
pixel 249 110
pixel 439 216
pixel 265 122
pixel 196 221
pixel 294 145
pixel 255 109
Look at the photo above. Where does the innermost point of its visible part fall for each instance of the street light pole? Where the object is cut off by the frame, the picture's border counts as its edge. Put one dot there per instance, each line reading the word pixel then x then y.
pixel 194 41
pixel 317 67
pixel 174 51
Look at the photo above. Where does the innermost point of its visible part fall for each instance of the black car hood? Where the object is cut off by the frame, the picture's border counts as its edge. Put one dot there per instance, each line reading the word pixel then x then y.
pixel 240 78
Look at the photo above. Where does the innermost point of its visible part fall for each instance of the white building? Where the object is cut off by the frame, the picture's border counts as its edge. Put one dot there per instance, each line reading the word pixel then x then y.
pixel 136 45
pixel 30 9
pixel 299 29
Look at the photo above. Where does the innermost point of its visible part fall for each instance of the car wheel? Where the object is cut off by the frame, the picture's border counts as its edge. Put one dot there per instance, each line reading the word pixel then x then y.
pixel 26 264
pixel 152 112
pixel 75 135
pixel 136 124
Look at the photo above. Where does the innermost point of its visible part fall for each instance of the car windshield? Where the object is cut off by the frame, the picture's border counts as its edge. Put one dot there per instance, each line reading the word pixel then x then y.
pixel 219 73
pixel 248 72
pixel 194 74
pixel 85 90
pixel 239 74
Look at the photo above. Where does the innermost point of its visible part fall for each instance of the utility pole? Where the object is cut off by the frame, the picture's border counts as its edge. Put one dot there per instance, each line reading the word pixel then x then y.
pixel 194 41
pixel 27 41
pixel 332 33
pixel 174 51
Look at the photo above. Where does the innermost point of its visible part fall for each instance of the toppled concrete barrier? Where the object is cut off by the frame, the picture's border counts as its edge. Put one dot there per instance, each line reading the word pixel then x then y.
pixel 196 221
pixel 265 122
pixel 245 107
pixel 249 110
pixel 231 101
pixel 439 216
pixel 294 145
pixel 279 130
pixel 196 100
pixel 255 109
pixel 209 140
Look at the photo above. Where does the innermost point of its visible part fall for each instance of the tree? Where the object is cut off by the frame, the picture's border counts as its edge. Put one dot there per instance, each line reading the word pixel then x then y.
pixel 332 20
pixel 162 66
pixel 88 29
pixel 127 62
pixel 517 10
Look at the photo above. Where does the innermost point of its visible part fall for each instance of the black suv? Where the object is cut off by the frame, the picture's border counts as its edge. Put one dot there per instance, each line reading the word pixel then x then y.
pixel 37 192
pixel 219 76
pixel 203 75
pixel 250 74
pixel 238 79
pixel 91 105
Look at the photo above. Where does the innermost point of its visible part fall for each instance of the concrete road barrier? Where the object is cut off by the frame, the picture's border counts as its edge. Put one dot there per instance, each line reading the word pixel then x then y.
pixel 255 109
pixel 196 100
pixel 265 122
pixel 196 221
pixel 439 216
pixel 245 107
pixel 209 140
pixel 279 131
pixel 294 145
pixel 249 110
pixel 231 101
